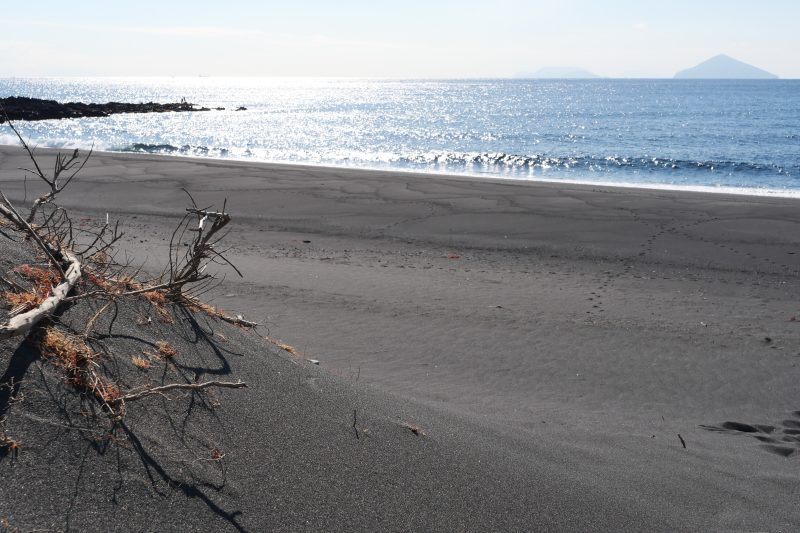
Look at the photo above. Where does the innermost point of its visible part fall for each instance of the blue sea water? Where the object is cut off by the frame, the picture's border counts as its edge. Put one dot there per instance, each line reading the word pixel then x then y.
pixel 725 135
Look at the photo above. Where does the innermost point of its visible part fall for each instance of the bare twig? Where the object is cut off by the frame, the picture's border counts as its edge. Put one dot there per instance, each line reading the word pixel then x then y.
pixel 358 437
pixel 179 386
pixel 16 286
pixel 70 164
pixel 238 321
pixel 90 324
pixel 12 214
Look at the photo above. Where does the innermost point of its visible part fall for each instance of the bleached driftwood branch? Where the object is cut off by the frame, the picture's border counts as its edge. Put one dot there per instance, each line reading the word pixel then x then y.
pixel 237 321
pixel 23 323
pixel 179 386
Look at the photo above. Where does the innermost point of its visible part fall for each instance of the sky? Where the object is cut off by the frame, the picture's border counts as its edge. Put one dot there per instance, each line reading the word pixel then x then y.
pixel 396 39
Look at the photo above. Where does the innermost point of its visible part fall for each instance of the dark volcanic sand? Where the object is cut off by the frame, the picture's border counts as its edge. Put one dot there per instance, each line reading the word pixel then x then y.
pixel 560 336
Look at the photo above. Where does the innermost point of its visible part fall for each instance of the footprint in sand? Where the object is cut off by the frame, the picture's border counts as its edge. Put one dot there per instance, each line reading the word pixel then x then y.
pixel 781 439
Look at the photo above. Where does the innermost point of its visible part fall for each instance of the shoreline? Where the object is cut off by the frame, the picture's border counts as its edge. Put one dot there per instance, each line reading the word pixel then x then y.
pixel 690 189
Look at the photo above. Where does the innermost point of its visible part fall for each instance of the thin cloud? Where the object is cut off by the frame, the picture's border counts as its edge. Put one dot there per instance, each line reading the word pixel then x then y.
pixel 172 31
pixel 195 31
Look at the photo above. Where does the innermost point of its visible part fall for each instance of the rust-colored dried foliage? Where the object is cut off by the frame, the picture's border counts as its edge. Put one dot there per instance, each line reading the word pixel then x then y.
pixel 39 276
pixel 107 392
pixel 102 282
pixel 116 286
pixel 140 362
pixel 11 447
pixel 23 301
pixel 155 297
pixel 158 299
pixel 196 305
pixel 43 281
pixel 65 350
pixel 165 349
pixel 217 455
pixel 71 353
pixel 283 346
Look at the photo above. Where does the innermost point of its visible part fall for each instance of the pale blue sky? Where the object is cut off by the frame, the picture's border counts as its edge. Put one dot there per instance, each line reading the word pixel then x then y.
pixel 411 38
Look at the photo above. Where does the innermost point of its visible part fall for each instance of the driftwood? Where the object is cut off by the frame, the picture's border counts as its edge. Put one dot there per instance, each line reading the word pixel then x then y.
pixel 23 323
pixel 237 320
pixel 54 233
pixel 178 386
pixel 190 268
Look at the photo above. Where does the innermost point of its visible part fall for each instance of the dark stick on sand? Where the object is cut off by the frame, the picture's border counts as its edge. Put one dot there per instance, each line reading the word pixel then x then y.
pixel 358 437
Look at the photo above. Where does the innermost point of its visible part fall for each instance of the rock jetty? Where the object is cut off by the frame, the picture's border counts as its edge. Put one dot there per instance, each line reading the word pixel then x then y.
pixel 24 108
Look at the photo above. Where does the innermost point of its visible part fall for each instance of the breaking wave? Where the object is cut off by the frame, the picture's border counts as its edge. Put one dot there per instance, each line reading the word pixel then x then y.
pixel 614 163
pixel 486 162
pixel 188 150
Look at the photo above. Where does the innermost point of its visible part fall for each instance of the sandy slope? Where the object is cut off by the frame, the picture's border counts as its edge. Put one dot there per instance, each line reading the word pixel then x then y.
pixel 552 341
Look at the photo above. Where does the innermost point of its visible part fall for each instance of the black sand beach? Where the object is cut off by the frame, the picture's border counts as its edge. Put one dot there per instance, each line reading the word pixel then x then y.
pixel 573 358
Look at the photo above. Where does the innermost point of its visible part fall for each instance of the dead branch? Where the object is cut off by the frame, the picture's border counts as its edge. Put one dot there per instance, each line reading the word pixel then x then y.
pixel 21 324
pixel 237 320
pixel 178 386
pixel 58 228
pixel 70 164
pixel 90 324
pixel 190 269
pixel 7 209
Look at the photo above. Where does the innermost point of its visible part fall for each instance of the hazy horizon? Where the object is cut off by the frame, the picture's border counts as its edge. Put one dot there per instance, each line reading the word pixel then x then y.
pixel 355 38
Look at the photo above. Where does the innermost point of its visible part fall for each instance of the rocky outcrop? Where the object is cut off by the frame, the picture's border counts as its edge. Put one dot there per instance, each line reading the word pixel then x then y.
pixel 24 108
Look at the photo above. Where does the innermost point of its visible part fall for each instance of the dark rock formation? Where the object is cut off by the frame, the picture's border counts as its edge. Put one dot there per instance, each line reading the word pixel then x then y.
pixel 24 108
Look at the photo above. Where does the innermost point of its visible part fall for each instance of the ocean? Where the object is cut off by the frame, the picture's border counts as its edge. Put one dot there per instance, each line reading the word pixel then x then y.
pixel 731 136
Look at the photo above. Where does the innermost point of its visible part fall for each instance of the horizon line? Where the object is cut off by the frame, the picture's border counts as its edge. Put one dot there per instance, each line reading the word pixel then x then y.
pixel 353 77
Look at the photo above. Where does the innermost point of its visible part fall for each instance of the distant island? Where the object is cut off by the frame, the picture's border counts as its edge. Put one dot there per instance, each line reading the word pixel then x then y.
pixel 723 67
pixel 561 72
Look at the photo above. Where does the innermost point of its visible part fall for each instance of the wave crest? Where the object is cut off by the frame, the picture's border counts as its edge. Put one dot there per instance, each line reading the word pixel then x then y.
pixel 541 163
pixel 483 163
pixel 186 149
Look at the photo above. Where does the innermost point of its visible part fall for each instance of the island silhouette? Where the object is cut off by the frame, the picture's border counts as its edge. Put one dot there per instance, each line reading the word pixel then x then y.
pixel 723 67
